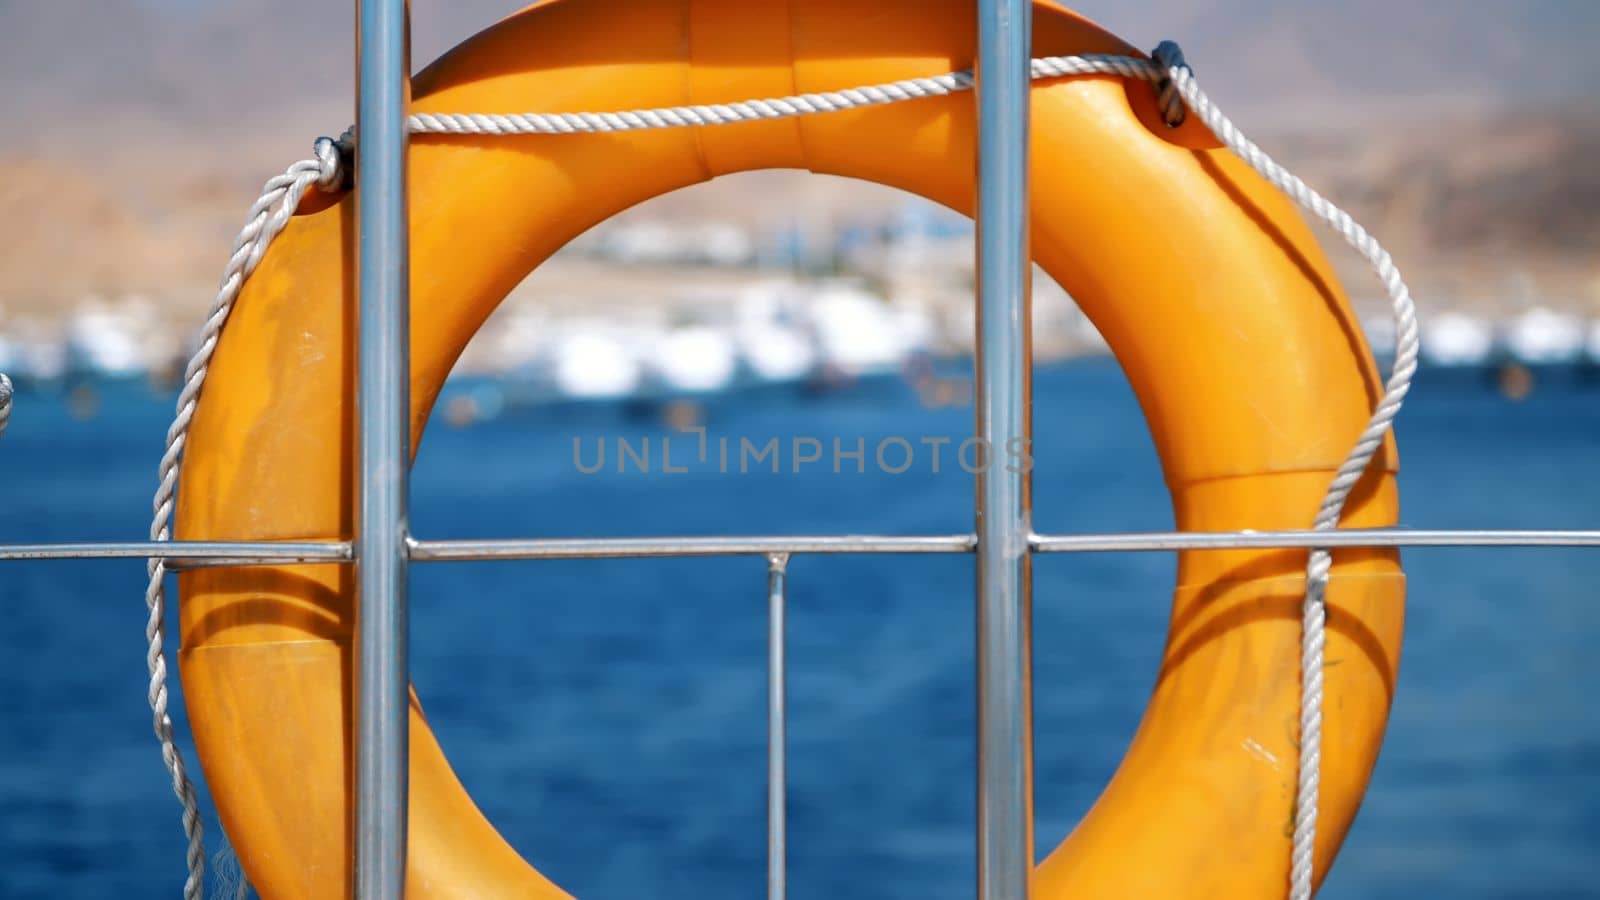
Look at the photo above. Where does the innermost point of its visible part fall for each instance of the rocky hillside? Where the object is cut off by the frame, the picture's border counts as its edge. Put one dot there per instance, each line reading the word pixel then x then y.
pixel 139 129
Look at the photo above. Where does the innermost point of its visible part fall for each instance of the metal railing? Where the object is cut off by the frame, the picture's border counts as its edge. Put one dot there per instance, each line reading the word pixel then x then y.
pixel 196 554
pixel 1003 541
pixel 383 410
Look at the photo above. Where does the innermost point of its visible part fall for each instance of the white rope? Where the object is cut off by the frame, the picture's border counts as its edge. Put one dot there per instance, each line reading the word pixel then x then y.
pixel 1177 91
pixel 753 110
pixel 5 402
pixel 1407 345
pixel 267 217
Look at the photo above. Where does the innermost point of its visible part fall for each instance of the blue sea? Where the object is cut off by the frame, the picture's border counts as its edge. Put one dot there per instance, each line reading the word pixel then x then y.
pixel 610 715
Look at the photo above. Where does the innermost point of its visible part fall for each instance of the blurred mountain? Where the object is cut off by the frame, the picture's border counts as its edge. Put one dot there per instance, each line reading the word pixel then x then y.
pixel 1365 60
pixel 79 67
pixel 137 130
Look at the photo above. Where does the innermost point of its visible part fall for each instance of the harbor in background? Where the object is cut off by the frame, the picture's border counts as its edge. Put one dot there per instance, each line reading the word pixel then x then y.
pixel 651 306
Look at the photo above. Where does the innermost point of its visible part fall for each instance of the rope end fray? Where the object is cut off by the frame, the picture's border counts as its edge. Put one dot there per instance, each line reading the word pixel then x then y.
pixel 1169 56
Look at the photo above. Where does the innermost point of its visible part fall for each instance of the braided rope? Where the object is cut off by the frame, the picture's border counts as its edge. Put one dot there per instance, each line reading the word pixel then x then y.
pixel 1407 344
pixel 772 108
pixel 266 218
pixel 5 402
pixel 1177 93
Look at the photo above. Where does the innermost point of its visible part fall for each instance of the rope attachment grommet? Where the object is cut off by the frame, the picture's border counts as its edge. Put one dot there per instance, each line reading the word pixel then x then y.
pixel 335 162
pixel 1169 56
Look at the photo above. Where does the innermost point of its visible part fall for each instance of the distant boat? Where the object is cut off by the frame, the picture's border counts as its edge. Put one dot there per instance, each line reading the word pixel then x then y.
pixel 595 365
pixel 37 356
pixel 772 332
pixel 118 339
pixel 693 359
pixel 859 334
pixel 1457 339
pixel 1543 336
pixel 99 342
pixel 776 352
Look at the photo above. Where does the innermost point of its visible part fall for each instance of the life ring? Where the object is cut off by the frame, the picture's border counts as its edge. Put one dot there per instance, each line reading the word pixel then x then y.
pixel 1209 288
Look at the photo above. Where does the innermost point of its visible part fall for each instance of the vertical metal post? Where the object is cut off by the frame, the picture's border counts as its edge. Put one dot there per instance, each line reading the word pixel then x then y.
pixel 384 407
pixel 777 730
pixel 1004 513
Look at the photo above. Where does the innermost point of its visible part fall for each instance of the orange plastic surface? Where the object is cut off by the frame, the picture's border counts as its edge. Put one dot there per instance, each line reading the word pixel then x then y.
pixel 1242 349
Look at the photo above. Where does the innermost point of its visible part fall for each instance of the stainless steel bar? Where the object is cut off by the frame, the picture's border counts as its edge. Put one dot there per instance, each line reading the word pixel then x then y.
pixel 757 545
pixel 617 548
pixel 234 553
pixel 777 729
pixel 1344 537
pixel 598 548
pixel 1004 504
pixel 384 408
pixel 218 552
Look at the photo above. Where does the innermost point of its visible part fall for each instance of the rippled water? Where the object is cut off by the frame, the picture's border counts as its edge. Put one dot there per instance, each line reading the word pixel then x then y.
pixel 610 715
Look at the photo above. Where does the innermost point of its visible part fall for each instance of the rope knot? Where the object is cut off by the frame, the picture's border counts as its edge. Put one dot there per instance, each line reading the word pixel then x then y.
pixel 333 162
pixel 1169 56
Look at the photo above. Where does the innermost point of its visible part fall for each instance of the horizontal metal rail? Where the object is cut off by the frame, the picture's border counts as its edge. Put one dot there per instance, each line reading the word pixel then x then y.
pixel 1344 537
pixel 590 548
pixel 193 554
pixel 597 548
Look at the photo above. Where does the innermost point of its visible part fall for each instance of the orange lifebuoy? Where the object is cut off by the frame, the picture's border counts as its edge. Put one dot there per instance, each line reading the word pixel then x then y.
pixel 1240 344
